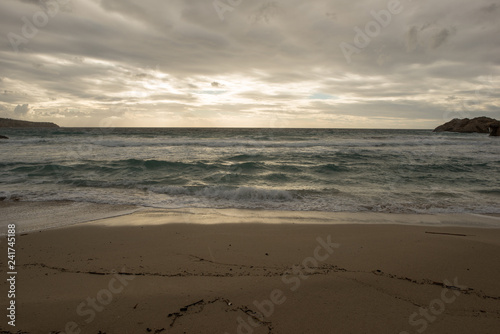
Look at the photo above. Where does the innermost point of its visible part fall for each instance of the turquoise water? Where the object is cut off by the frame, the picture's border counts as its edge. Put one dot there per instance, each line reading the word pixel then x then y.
pixel 414 171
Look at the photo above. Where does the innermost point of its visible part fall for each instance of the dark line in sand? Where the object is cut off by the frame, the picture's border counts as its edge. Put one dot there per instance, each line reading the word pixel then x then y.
pixel 454 234
pixel 468 291
pixel 323 270
pixel 267 272
pixel 202 303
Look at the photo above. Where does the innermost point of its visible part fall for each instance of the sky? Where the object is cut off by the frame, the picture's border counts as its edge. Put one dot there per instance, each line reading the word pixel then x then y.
pixel 249 63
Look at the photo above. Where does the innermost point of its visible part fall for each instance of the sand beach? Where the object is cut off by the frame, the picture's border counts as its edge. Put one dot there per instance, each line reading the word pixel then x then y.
pixel 251 271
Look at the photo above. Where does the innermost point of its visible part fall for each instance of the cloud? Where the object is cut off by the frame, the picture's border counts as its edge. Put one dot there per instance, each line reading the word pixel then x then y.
pixel 266 12
pixel 439 38
pixel 412 39
pixel 491 7
pixel 21 109
pixel 140 60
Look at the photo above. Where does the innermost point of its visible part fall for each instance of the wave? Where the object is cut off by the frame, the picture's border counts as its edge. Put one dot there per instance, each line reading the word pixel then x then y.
pixel 397 144
pixel 246 193
pixel 254 198
pixel 227 178
pixel 494 191
pixel 330 168
pixel 235 194
pixel 213 143
pixel 383 171
pixel 277 177
pixel 247 157
pixel 136 166
pixel 161 164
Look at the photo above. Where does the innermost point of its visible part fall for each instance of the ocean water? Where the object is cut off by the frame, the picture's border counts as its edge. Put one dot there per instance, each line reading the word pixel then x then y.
pixel 403 171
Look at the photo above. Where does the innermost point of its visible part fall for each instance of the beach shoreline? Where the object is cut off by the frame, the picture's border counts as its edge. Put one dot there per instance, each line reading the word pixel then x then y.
pixel 36 216
pixel 153 271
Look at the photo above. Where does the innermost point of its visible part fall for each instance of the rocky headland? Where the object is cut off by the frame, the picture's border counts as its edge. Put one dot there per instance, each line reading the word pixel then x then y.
pixel 14 123
pixel 466 125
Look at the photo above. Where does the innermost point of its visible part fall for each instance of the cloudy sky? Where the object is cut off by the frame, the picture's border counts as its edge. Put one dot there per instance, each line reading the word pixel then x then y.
pixel 251 63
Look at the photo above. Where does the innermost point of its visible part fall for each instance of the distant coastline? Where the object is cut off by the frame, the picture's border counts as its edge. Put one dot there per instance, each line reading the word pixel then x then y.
pixel 13 123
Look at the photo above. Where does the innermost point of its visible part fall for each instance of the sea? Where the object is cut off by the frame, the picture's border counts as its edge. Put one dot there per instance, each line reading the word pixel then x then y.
pixel 337 170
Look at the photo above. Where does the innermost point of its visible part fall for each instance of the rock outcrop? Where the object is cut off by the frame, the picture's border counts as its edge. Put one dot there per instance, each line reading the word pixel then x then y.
pixel 13 123
pixel 466 125
pixel 495 129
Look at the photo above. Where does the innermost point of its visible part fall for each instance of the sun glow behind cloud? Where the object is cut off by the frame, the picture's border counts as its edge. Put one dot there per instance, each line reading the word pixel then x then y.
pixel 268 64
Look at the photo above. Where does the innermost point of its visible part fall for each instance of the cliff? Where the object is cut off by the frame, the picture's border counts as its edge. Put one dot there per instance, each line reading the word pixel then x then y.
pixel 12 123
pixel 466 125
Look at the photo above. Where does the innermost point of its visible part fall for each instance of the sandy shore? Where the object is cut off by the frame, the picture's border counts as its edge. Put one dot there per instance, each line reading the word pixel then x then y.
pixel 223 271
